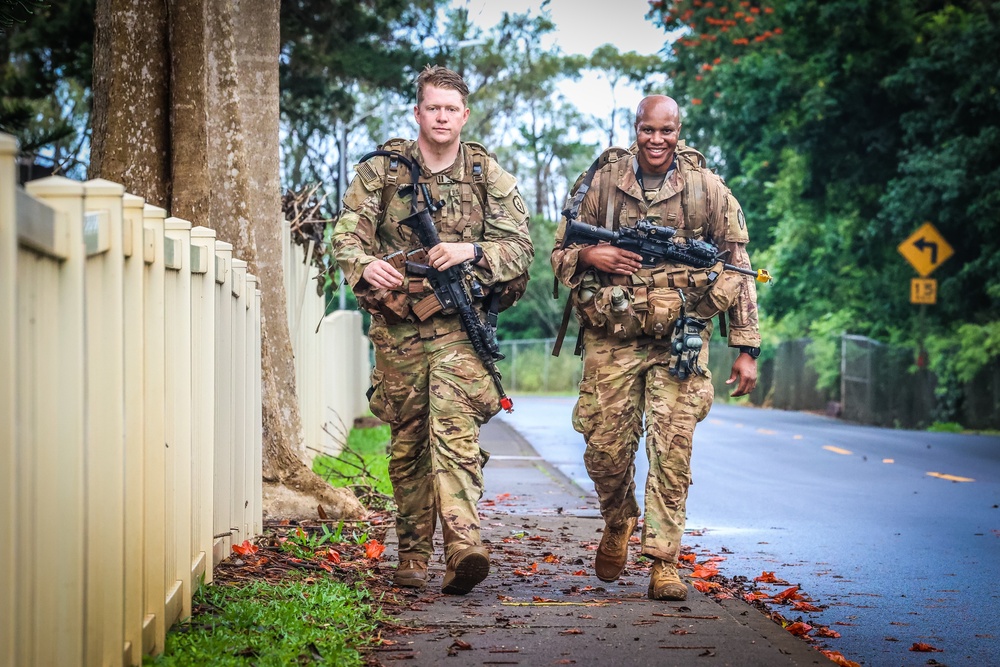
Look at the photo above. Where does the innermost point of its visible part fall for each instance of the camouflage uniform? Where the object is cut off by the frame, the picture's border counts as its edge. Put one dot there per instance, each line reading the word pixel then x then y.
pixel 429 385
pixel 626 377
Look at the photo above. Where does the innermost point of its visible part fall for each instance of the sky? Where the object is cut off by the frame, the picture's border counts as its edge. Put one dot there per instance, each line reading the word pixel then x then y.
pixel 582 26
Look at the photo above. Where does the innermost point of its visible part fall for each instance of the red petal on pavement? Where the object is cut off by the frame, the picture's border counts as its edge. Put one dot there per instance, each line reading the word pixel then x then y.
pixel 839 659
pixel 799 629
pixel 925 648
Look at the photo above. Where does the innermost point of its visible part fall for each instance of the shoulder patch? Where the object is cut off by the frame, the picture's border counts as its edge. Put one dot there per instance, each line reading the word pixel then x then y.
pixel 736 223
pixel 500 183
pixel 371 173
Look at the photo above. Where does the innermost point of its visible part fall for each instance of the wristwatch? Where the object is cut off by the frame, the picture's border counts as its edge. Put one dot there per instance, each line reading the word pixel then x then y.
pixel 478 250
pixel 754 352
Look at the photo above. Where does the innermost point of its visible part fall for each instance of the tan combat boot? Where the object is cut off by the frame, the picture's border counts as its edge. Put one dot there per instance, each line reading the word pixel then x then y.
pixel 410 574
pixel 613 550
pixel 664 583
pixel 465 569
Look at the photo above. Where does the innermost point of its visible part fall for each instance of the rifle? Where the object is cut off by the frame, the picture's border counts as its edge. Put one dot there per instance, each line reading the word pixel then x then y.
pixel 656 244
pixel 455 287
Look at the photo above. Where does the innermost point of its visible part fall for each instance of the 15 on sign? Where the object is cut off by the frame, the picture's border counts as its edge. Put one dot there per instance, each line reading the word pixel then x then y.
pixel 923 290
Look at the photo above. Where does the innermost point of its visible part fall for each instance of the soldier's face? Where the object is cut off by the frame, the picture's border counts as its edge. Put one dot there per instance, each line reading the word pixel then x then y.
pixel 656 134
pixel 441 115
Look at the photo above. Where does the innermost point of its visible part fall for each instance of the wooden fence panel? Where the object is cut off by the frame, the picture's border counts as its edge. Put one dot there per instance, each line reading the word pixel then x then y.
pixel 130 418
pixel 133 353
pixel 224 419
pixel 51 315
pixel 253 514
pixel 202 399
pixel 238 493
pixel 177 305
pixel 105 419
pixel 154 460
pixel 8 398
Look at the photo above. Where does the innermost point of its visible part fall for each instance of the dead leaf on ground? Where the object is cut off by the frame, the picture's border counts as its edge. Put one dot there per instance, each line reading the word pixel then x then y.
pixel 839 659
pixel 572 631
pixel 923 647
pixel 799 629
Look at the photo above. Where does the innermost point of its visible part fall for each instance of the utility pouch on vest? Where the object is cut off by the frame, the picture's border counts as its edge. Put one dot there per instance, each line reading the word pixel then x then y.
pixel 614 303
pixel 392 305
pixel 662 308
pixel 584 299
pixel 721 295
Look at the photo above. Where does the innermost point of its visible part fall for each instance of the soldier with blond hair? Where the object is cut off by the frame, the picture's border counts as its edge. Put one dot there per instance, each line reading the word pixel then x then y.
pixel 428 382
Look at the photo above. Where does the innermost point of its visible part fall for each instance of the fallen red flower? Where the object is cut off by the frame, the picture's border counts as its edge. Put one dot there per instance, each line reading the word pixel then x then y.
pixel 826 632
pixel 839 659
pixel 333 556
pixel 245 549
pixel 788 594
pixel 374 549
pixel 704 572
pixel 805 606
pixel 925 648
pixel 799 629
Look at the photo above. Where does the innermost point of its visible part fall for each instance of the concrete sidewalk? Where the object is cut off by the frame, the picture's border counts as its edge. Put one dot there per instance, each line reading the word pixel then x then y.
pixel 543 605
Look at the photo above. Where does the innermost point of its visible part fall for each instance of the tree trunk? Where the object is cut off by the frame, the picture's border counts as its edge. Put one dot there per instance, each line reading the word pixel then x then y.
pixel 192 125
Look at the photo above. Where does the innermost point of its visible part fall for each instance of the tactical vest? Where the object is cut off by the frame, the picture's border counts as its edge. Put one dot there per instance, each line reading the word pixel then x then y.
pixel 649 301
pixel 417 300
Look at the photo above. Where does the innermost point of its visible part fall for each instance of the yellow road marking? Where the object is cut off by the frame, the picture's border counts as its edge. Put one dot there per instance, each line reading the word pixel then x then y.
pixel 888 460
pixel 950 478
pixel 796 437
pixel 837 450
pixel 766 431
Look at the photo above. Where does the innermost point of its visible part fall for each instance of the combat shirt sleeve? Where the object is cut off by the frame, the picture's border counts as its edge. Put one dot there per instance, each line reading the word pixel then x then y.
pixel 565 261
pixel 728 230
pixel 507 245
pixel 354 235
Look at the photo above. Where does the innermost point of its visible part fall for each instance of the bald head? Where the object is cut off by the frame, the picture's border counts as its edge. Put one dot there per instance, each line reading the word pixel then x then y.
pixel 656 103
pixel 657 128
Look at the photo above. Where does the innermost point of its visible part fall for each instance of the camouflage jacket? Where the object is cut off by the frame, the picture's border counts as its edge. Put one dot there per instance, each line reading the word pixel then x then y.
pixel 365 232
pixel 719 219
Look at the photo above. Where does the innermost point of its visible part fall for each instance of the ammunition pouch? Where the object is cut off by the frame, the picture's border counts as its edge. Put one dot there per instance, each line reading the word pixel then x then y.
pixel 648 303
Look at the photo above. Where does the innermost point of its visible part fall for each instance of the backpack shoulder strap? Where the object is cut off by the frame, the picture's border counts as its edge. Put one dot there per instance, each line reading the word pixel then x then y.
pixel 693 166
pixel 582 185
pixel 392 172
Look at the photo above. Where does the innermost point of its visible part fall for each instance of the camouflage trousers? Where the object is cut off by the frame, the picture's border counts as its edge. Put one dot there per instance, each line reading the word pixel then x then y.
pixel 435 394
pixel 622 382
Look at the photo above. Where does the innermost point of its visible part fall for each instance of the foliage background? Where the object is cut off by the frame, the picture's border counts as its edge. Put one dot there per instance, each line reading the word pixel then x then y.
pixel 841 126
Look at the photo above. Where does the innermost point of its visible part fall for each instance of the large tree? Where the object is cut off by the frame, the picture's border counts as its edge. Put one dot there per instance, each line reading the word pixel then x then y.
pixel 186 115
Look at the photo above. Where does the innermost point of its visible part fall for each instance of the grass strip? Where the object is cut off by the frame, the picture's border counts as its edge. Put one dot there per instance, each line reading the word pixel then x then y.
pixel 265 624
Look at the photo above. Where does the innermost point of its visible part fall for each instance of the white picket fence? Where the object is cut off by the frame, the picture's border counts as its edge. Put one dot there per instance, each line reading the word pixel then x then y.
pixel 130 418
pixel 332 360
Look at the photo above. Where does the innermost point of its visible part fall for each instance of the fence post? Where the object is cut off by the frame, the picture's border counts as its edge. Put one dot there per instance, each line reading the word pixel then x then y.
pixel 9 569
pixel 53 580
pixel 258 431
pixel 105 449
pixel 154 625
pixel 133 355
pixel 249 391
pixel 177 306
pixel 202 399
pixel 237 394
pixel 224 420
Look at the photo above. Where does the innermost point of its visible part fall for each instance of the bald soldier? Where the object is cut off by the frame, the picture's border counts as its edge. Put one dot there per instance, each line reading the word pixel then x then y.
pixel 645 334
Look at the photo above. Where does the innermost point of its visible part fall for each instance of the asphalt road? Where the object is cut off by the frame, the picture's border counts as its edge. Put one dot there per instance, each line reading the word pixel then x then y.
pixel 894 534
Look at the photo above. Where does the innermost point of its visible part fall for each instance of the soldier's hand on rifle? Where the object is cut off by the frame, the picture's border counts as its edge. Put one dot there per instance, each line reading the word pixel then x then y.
pixel 382 274
pixel 443 256
pixel 609 259
pixel 744 370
